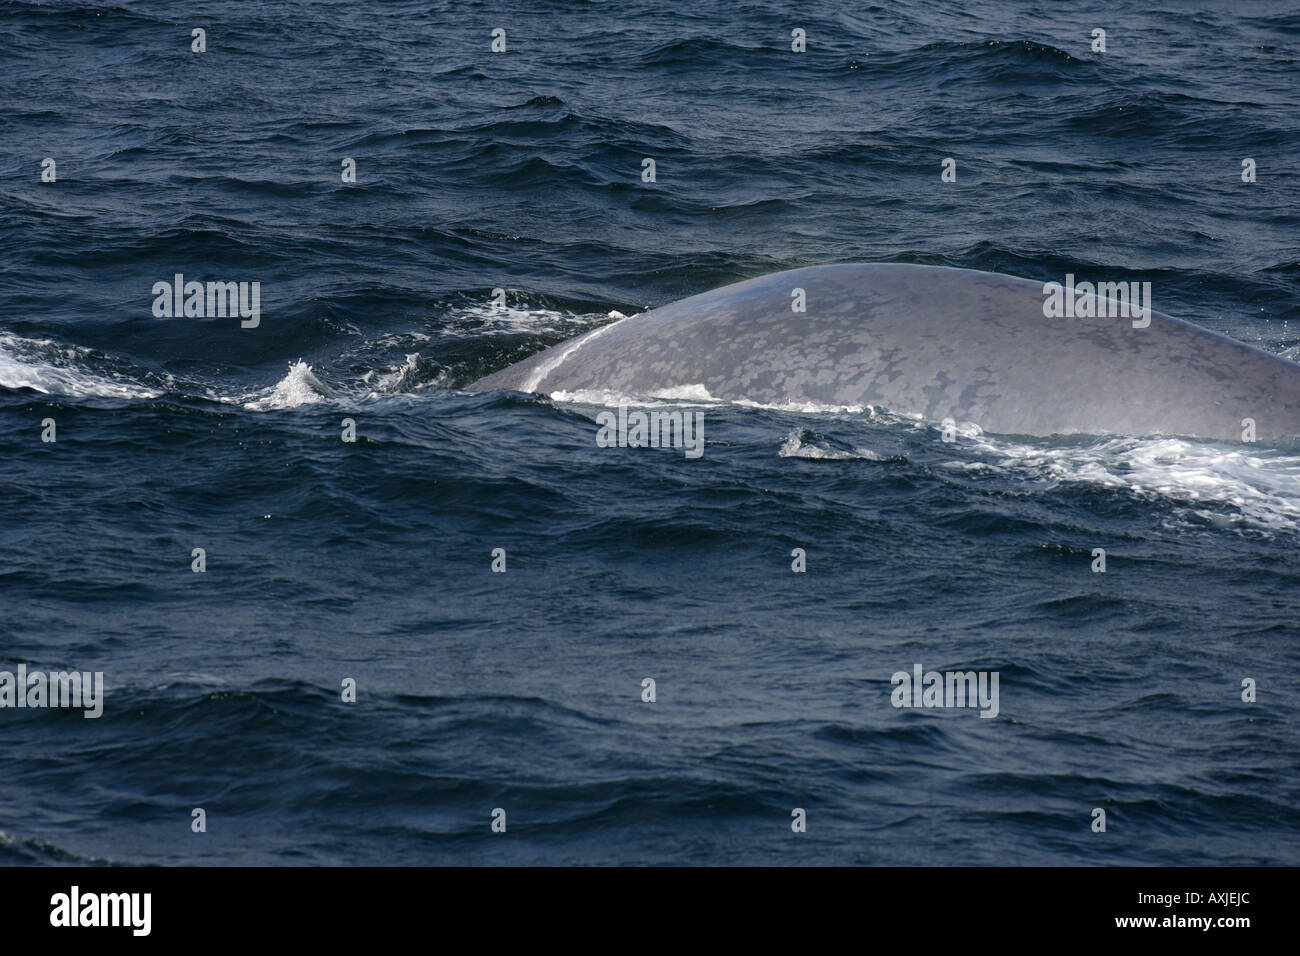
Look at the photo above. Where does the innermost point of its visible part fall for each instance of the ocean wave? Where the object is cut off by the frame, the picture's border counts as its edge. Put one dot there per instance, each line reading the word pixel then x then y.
pixel 1259 486
pixel 51 368
pixel 805 443
pixel 512 320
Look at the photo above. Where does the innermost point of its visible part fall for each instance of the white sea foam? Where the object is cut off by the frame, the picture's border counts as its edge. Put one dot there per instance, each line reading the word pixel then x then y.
pixel 53 369
pixel 697 393
pixel 299 386
pixel 1260 485
pixel 688 396
pixel 806 408
pixel 393 378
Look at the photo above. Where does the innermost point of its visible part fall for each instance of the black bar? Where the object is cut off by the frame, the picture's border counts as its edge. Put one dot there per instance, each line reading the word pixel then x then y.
pixel 959 906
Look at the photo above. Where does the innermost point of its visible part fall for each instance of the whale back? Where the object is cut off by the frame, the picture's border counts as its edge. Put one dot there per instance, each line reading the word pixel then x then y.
pixel 935 342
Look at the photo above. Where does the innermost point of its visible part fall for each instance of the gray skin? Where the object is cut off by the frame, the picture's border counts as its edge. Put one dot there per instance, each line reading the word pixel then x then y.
pixel 935 342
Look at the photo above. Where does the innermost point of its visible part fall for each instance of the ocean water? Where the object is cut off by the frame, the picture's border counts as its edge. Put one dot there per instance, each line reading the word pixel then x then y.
pixel 371 560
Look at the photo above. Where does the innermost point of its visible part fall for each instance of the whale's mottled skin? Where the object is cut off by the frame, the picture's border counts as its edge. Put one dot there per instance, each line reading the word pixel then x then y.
pixel 936 342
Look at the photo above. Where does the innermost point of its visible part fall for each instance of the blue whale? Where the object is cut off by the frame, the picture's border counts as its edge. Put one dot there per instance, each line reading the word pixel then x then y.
pixel 938 343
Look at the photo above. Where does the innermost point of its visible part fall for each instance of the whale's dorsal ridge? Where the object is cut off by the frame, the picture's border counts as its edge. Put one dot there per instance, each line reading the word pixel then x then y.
pixel 936 341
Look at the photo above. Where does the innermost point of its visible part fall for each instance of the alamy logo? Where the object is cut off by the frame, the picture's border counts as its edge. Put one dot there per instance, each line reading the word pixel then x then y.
pixel 653 429
pixel 103 909
pixel 947 689
pixel 1105 300
pixel 56 689
pixel 216 300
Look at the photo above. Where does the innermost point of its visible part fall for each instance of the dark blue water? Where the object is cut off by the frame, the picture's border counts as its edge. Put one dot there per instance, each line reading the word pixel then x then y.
pixel 371 560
